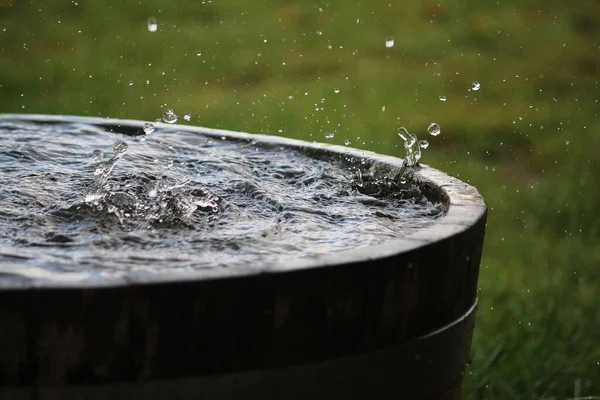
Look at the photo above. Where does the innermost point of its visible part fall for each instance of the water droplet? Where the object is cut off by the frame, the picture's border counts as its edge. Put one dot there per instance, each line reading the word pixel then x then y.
pixel 336 90
pixel 152 25
pixel 443 98
pixel 347 142
pixel 329 135
pixel 148 128
pixel 434 129
pixel 415 150
pixel 389 42
pixel 97 155
pixel 187 116
pixel 423 144
pixel 130 83
pixel 476 86
pixel 199 53
pixel 120 147
pixel 170 117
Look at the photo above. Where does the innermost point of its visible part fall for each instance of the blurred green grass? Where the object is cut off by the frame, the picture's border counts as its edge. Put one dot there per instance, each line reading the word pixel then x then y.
pixel 528 139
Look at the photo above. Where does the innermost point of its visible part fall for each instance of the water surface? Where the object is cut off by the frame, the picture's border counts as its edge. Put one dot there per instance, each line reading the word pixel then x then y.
pixel 78 197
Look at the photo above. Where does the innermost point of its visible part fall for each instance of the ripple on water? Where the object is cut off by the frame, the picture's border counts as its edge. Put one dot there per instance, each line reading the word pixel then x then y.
pixel 77 197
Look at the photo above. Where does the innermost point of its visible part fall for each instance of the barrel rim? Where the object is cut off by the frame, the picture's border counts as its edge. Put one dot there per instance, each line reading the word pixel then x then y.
pixel 464 207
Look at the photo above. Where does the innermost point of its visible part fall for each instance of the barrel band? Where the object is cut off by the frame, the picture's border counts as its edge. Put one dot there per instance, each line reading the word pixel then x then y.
pixel 420 369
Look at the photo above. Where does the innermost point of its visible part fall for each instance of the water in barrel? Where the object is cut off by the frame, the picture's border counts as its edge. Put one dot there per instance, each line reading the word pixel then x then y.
pixel 77 196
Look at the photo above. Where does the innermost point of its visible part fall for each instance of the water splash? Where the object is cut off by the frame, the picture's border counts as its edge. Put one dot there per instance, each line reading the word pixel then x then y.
pixel 163 199
pixel 412 147
pixel 102 170
pixel 150 213
pixel 406 136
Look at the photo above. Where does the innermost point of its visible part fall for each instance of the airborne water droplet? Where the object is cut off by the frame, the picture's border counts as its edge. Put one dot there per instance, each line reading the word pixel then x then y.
pixel 336 90
pixel 347 142
pixel 120 147
pixel 152 25
pixel 170 117
pixel 148 128
pixel 199 53
pixel 443 98
pixel 329 135
pixel 389 42
pixel 476 86
pixel 434 129
pixel 423 144
pixel 130 83
pixel 187 116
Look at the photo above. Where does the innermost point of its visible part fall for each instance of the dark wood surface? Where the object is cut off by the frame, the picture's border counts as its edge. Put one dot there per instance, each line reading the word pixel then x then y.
pixel 302 312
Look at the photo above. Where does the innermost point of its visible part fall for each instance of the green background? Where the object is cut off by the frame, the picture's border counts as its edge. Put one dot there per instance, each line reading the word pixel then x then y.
pixel 528 139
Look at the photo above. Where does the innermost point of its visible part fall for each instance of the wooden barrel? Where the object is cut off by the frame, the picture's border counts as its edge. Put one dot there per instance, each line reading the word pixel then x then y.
pixel 389 320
